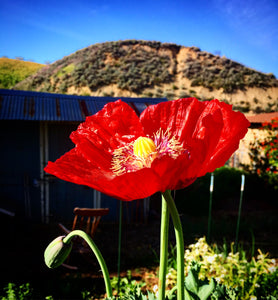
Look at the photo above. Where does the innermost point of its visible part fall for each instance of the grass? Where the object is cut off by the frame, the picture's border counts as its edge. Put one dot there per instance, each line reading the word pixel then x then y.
pixel 13 71
pixel 66 70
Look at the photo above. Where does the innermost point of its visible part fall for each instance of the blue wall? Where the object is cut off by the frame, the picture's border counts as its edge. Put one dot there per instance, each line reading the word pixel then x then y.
pixel 20 175
pixel 19 153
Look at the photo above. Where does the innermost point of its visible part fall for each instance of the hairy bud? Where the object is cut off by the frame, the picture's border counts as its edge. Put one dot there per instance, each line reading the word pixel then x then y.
pixel 56 252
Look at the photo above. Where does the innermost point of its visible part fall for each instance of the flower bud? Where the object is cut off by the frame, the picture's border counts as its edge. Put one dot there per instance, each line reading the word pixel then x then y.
pixel 56 252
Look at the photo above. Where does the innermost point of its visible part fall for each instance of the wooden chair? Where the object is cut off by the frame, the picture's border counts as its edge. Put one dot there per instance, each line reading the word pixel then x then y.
pixel 86 219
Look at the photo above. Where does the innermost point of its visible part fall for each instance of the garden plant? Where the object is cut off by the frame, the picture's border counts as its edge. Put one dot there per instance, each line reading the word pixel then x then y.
pixel 128 157
pixel 264 154
pixel 244 277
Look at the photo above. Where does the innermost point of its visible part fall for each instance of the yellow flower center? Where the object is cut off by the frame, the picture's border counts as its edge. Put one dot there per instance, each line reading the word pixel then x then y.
pixel 143 147
pixel 143 151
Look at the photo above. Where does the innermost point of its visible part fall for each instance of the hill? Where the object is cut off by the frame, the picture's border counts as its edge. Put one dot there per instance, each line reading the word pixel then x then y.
pixel 13 71
pixel 153 69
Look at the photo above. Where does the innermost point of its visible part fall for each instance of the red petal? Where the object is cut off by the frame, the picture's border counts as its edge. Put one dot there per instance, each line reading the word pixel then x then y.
pixel 209 130
pixel 113 126
pixel 205 137
pixel 89 163
pixel 235 126
pixel 75 168
pixel 181 118
pixel 172 172
pixel 178 116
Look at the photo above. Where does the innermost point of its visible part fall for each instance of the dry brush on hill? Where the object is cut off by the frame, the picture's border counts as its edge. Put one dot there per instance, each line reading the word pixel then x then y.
pixel 153 69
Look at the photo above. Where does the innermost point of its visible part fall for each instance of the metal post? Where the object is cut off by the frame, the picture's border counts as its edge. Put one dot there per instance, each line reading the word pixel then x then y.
pixel 97 199
pixel 239 209
pixel 44 185
pixel 210 205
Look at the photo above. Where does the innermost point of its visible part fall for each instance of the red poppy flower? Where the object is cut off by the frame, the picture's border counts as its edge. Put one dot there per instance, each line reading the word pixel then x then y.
pixel 167 147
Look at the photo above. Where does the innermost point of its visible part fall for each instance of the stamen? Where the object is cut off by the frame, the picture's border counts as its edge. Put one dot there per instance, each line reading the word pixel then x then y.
pixel 167 144
pixel 144 150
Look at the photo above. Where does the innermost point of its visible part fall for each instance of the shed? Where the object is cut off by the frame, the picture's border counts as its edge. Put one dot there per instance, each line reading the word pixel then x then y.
pixel 35 128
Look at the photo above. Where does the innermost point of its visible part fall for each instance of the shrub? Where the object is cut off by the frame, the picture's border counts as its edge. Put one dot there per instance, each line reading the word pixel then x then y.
pixel 233 270
pixel 125 285
pixel 264 154
pixel 17 292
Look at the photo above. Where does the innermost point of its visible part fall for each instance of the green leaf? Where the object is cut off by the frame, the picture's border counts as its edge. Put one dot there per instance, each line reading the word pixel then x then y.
pixel 196 288
pixel 206 290
pixel 187 296
pixel 191 280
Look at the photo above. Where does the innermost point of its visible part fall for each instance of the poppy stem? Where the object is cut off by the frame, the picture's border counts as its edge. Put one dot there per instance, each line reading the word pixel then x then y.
pixel 98 255
pixel 164 229
pixel 179 242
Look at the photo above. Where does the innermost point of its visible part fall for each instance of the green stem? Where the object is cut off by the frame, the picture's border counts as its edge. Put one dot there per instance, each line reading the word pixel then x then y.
pixel 179 242
pixel 164 229
pixel 98 255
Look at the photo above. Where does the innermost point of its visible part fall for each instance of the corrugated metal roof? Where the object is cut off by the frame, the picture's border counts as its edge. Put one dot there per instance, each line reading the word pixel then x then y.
pixel 36 106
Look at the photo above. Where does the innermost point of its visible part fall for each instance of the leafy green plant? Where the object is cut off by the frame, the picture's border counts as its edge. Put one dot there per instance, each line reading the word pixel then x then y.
pixel 195 289
pixel 135 294
pixel 17 292
pixel 268 285
pixel 172 260
pixel 125 285
pixel 230 269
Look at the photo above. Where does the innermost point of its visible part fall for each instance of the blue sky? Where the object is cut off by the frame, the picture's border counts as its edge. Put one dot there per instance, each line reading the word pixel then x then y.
pixel 243 30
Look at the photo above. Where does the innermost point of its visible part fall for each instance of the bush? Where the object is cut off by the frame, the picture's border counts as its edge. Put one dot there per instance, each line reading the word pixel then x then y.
pixel 233 270
pixel 17 292
pixel 264 155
